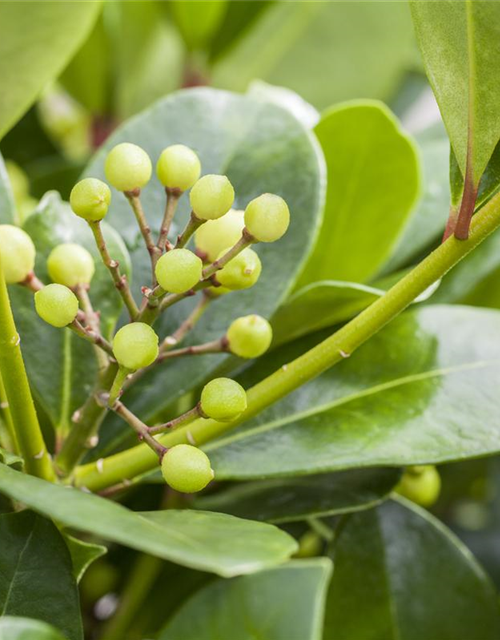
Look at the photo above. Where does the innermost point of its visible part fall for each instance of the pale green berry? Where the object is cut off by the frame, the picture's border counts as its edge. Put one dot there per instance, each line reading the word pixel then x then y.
pixel 135 346
pixel 249 336
pixel 421 484
pixel 90 199
pixel 211 197
pixel 223 399
pixel 186 469
pixel 241 272
pixel 17 253
pixel 127 167
pixel 215 236
pixel 178 271
pixel 267 217
pixel 56 304
pixel 178 167
pixel 70 264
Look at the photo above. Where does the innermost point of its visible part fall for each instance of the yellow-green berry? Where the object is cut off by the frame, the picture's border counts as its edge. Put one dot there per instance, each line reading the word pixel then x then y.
pixel 223 399
pixel 211 197
pixel 70 264
pixel 215 236
pixel 135 346
pixel 127 167
pixel 17 253
pixel 267 217
pixel 241 272
pixel 249 336
pixel 178 271
pixel 90 199
pixel 56 304
pixel 421 484
pixel 186 469
pixel 178 167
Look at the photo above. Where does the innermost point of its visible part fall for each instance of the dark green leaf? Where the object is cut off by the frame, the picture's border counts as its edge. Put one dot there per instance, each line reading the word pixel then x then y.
pixel 401 575
pixel 15 628
pixel 83 554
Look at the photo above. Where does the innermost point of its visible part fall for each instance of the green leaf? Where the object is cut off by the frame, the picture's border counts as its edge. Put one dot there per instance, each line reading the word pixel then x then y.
pixel 198 21
pixel 246 608
pixel 488 185
pixel 206 541
pixel 83 554
pixel 423 390
pixel 17 628
pixel 11 460
pixel 35 46
pixel 7 206
pixel 458 41
pixel 300 498
pixel 409 577
pixel 373 183
pixel 36 578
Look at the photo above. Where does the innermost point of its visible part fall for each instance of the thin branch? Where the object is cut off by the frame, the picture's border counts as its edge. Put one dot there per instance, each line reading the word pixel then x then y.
pixel 93 329
pixel 91 336
pixel 187 325
pixel 193 224
pixel 139 427
pixel 182 420
pixel 154 252
pixel 32 283
pixel 215 346
pixel 172 200
pixel 245 241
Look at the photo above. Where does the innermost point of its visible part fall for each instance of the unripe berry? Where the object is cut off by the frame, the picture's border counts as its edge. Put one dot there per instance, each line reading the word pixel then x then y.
pixel 241 272
pixel 249 336
pixel 267 217
pixel 70 264
pixel 90 199
pixel 127 167
pixel 211 197
pixel 56 304
pixel 17 253
pixel 186 469
pixel 135 346
pixel 223 399
pixel 178 271
pixel 216 236
pixel 421 484
pixel 178 167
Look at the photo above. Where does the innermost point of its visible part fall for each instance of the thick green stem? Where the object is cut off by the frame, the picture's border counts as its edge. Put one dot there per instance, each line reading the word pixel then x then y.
pixel 138 460
pixel 22 409
pixel 8 435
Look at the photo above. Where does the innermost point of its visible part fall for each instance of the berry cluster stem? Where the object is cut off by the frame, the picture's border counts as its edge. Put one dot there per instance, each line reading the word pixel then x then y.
pixel 172 200
pixel 182 420
pixel 93 337
pixel 140 428
pixel 193 224
pixel 135 202
pixel 245 241
pixel 215 346
pixel 92 319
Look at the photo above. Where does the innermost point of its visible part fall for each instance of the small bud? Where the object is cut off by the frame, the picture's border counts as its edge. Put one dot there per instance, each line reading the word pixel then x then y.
pixel 90 199
pixel 421 484
pixel 212 197
pixel 223 399
pixel 267 217
pixel 17 253
pixel 241 272
pixel 71 265
pixel 178 167
pixel 178 271
pixel 56 304
pixel 215 236
pixel 186 468
pixel 127 167
pixel 249 336
pixel 135 346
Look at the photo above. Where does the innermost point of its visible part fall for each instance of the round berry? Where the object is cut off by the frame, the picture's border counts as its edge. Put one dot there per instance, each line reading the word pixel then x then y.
pixel 17 252
pixel 178 167
pixel 90 199
pixel 56 304
pixel 178 271
pixel 267 217
pixel 212 197
pixel 216 236
pixel 70 264
pixel 186 469
pixel 135 346
pixel 249 336
pixel 241 272
pixel 223 399
pixel 127 167
pixel 421 484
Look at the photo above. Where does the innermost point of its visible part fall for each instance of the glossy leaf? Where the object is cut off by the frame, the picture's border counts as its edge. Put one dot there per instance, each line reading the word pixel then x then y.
pixel 83 554
pixel 7 207
pixel 402 575
pixel 36 578
pixel 373 184
pixel 17 628
pixel 422 390
pixel 246 608
pixel 201 540
pixel 27 63
pixel 458 41
pixel 300 498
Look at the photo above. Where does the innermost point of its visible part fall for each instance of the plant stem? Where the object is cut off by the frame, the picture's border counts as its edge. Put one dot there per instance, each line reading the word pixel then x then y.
pixel 215 346
pixel 9 437
pixel 139 427
pixel 192 225
pixel 154 252
pixel 94 338
pixel 245 241
pixel 138 460
pixel 32 282
pixel 18 395
pixel 173 196
pixel 117 386
pixel 186 326
pixel 184 419
pixel 92 319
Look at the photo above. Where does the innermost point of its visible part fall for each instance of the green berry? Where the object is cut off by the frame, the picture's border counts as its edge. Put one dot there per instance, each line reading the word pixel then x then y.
pixel 212 197
pixel 127 167
pixel 178 167
pixel 186 469
pixel 17 252
pixel 241 272
pixel 70 264
pixel 90 199
pixel 421 484
pixel 135 346
pixel 249 336
pixel 178 271
pixel 267 217
pixel 215 236
pixel 56 304
pixel 223 399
